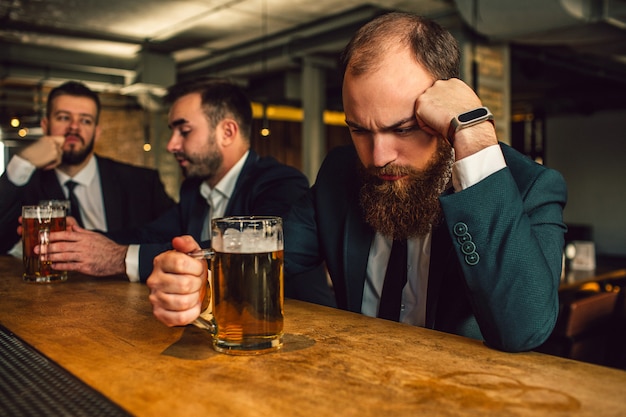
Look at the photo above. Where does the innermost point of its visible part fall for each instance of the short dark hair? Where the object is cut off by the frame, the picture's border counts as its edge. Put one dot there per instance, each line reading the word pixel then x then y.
pixel 73 88
pixel 220 98
pixel 433 46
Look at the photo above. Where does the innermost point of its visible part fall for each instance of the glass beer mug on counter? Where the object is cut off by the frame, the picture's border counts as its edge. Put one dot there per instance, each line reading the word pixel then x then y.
pixel 247 287
pixel 37 223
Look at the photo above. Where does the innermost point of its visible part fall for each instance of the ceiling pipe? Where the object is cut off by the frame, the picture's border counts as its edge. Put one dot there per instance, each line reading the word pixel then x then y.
pixel 544 20
pixel 314 34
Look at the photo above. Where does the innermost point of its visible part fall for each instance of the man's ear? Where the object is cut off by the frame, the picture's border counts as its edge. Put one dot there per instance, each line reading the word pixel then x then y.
pixel 229 130
pixel 44 125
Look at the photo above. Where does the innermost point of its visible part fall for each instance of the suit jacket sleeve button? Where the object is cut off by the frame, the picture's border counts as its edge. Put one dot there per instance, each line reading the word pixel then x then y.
pixel 472 258
pixel 468 248
pixel 460 229
pixel 464 238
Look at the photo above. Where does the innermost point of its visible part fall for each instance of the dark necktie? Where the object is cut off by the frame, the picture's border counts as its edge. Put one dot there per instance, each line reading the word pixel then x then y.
pixel 395 279
pixel 74 206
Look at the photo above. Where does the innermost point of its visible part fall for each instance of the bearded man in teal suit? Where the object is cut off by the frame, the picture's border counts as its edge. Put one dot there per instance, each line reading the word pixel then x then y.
pixel 475 227
pixel 483 223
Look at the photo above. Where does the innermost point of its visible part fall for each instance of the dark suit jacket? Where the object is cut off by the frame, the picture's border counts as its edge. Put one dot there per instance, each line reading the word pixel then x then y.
pixel 264 187
pixel 133 196
pixel 501 287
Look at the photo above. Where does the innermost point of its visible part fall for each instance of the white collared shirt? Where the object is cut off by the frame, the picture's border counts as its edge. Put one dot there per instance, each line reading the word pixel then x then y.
pixel 89 195
pixel 19 170
pixel 217 198
pixel 465 173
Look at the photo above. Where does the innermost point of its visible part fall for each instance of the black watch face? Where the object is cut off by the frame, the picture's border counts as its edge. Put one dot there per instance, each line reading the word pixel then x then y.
pixel 472 115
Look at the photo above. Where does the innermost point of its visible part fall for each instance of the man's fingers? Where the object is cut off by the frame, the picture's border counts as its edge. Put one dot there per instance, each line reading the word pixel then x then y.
pixel 45 153
pixel 72 224
pixel 64 236
pixel 177 284
pixel 173 262
pixel 174 302
pixel 59 140
pixel 185 244
pixel 174 318
pixel 174 309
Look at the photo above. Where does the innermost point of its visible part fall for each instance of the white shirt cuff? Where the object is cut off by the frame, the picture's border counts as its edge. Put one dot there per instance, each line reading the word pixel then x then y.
pixel 19 170
pixel 475 168
pixel 132 263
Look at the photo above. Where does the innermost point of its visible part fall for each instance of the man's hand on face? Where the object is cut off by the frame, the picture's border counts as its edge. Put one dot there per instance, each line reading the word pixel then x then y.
pixel 46 153
pixel 178 284
pixel 445 99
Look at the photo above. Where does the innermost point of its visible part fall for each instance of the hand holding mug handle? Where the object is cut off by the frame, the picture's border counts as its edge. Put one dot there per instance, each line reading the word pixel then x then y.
pixel 200 321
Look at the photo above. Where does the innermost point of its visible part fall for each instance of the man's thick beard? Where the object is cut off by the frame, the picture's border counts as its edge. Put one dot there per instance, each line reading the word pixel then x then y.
pixel 409 207
pixel 73 157
pixel 202 167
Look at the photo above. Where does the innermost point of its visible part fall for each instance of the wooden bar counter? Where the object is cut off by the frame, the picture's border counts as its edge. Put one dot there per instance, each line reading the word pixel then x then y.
pixel 333 362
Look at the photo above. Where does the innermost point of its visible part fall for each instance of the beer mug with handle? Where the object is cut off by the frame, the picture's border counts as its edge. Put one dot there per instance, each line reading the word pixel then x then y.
pixel 247 286
pixel 38 222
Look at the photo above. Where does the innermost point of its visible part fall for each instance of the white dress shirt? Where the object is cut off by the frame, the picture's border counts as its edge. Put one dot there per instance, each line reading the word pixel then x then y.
pixel 89 195
pixel 218 197
pixel 465 173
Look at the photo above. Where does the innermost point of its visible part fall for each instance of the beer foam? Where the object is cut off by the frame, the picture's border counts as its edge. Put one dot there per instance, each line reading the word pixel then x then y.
pixel 42 213
pixel 248 241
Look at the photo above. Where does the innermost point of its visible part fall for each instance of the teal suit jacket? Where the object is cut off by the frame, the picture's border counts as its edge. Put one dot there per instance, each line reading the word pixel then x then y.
pixel 495 259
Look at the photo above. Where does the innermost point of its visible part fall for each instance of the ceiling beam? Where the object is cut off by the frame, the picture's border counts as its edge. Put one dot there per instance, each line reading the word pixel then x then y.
pixel 37 62
pixel 329 34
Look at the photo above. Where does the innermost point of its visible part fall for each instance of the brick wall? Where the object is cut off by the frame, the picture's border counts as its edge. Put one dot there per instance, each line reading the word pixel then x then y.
pixel 122 138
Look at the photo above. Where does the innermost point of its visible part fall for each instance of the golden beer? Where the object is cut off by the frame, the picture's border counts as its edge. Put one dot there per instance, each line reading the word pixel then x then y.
pixel 248 301
pixel 37 224
pixel 247 288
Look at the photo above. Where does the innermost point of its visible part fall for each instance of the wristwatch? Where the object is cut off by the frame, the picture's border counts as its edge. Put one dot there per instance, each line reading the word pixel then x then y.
pixel 467 119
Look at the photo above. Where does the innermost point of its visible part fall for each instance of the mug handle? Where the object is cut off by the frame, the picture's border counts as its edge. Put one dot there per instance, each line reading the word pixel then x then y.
pixel 44 240
pixel 201 322
pixel 202 254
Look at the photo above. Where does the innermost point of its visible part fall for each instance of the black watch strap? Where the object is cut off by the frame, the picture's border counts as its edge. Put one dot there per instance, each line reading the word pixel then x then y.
pixel 467 119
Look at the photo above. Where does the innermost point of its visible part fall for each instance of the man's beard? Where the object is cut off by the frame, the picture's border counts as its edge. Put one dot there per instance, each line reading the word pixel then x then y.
pixel 408 207
pixel 202 166
pixel 77 157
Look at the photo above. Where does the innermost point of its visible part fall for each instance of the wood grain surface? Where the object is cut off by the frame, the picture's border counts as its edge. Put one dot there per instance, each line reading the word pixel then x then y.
pixel 333 362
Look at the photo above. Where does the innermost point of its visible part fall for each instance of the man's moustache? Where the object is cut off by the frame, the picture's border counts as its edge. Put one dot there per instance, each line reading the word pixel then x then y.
pixel 394 170
pixel 180 156
pixel 75 136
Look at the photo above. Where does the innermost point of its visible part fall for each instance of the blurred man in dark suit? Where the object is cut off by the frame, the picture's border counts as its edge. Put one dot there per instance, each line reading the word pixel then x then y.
pixel 111 195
